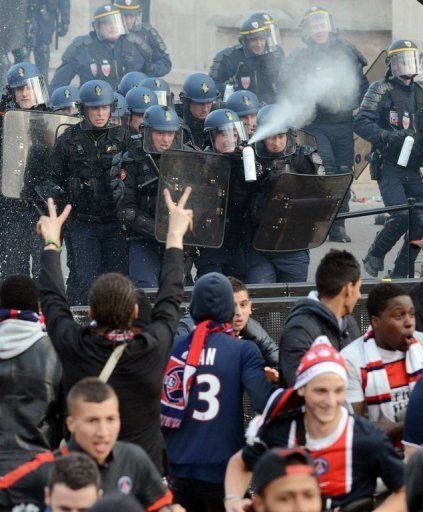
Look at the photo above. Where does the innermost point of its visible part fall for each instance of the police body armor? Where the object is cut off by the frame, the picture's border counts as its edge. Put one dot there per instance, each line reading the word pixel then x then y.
pixel 91 155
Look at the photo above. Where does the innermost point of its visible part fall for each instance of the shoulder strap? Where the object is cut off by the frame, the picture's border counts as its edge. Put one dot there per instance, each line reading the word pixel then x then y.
pixel 112 362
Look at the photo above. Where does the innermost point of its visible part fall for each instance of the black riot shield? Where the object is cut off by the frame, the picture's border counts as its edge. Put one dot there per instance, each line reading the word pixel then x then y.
pixel 208 174
pixel 28 138
pixel 363 148
pixel 300 212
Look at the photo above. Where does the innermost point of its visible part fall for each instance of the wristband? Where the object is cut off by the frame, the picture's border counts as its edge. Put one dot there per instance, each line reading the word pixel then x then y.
pixel 58 247
pixel 232 497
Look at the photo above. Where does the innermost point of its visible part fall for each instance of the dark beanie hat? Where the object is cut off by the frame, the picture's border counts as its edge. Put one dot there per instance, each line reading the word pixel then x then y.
pixel 279 462
pixel 117 502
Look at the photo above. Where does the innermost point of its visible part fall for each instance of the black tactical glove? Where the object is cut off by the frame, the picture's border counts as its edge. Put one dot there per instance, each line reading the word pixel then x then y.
pixel 62 28
pixel 395 138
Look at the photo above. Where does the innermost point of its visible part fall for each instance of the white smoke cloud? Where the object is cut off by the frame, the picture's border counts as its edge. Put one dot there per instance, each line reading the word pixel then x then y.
pixel 331 83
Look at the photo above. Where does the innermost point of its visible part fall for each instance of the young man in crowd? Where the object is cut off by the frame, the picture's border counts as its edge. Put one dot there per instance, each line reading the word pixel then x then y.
pixel 30 376
pixel 94 422
pixel 286 481
pixel 326 311
pixel 204 384
pixel 84 351
pixel 74 484
pixel 348 451
pixel 385 363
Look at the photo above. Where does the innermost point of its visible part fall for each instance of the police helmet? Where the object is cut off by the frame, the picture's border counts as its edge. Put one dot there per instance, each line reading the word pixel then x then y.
pixel 132 13
pixel 225 121
pixel 272 121
pixel 243 103
pixel 274 41
pixel 65 97
pixel 96 93
pixel 161 88
pixel 199 88
pixel 316 20
pixel 404 58
pixel 139 99
pixel 27 74
pixel 120 110
pixel 108 23
pixel 130 80
pixel 160 118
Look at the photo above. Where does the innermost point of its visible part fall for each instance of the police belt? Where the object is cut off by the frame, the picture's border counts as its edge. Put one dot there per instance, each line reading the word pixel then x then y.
pixel 95 218
pixel 359 505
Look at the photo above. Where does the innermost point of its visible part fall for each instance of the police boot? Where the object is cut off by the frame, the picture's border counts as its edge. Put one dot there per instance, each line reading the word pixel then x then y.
pixel 42 58
pixel 338 233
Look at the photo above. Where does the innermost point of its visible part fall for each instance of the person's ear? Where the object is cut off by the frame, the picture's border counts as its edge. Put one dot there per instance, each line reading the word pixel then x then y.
pixel 258 503
pixel 70 423
pixel 375 322
pixel 301 391
pixel 135 312
pixel 47 496
pixel 100 493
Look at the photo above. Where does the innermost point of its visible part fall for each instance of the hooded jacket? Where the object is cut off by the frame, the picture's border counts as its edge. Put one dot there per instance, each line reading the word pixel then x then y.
pixel 30 376
pixel 308 319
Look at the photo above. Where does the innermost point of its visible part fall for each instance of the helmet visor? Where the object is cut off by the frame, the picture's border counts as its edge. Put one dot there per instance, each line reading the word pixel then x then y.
pixel 226 138
pixel 132 19
pixel 158 141
pixel 164 98
pixel 110 27
pixel 276 146
pixel 274 40
pixel 319 22
pixel 406 63
pixel 259 43
pixel 32 93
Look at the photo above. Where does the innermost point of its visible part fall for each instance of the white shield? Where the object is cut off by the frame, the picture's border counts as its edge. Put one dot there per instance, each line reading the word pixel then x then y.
pixel 94 69
pixel 105 68
pixel 245 82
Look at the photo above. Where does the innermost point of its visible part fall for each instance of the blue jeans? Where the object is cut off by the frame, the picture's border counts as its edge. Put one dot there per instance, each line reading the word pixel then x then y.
pixel 277 267
pixel 97 248
pixel 145 263
pixel 225 260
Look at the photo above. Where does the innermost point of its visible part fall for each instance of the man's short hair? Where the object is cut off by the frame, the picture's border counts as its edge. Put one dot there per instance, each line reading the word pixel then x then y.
pixel 90 389
pixel 19 292
pixel 76 471
pixel 238 285
pixel 379 296
pixel 112 300
pixel 335 270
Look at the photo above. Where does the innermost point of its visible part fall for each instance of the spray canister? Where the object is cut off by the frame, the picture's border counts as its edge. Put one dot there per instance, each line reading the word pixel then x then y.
pixel 229 89
pixel 248 158
pixel 406 151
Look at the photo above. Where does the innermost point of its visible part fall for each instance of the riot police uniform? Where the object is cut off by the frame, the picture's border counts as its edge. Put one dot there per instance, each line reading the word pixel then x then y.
pixel 151 44
pixel 391 110
pixel 136 200
pixel 79 174
pixel 50 15
pixel 224 124
pixel 199 89
pixel 272 267
pixel 105 53
pixel 325 55
pixel 251 65
pixel 19 243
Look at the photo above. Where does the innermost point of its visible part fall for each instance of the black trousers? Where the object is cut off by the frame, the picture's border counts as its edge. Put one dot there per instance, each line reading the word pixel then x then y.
pixel 198 496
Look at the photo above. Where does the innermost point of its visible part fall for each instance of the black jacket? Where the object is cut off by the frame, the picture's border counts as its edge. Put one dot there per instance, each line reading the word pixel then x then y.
pixel 127 470
pixel 137 378
pixel 252 331
pixel 416 293
pixel 307 320
pixel 29 398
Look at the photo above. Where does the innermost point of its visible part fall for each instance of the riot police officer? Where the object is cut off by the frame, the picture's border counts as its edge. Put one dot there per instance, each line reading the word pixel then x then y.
pixel 391 110
pixel 106 53
pixel 197 96
pixel 138 100
pixel 162 90
pixel 50 16
pixel 151 44
pixel 277 154
pixel 119 115
pixel 129 81
pixel 64 100
pixel 79 174
pixel 225 134
pixel 325 55
pixel 253 64
pixel 246 105
pixel 25 90
pixel 160 131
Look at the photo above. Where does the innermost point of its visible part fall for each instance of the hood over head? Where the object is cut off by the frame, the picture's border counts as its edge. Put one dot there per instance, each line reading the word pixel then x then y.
pixel 212 299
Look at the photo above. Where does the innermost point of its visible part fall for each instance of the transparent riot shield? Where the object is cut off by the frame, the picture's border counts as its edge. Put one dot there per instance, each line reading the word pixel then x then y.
pixel 208 174
pixel 300 211
pixel 28 138
pixel 304 138
pixel 363 148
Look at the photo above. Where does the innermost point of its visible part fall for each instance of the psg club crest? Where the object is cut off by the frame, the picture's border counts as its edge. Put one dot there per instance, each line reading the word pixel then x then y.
pixel 406 120
pixel 94 69
pixel 393 118
pixel 105 68
pixel 245 82
pixel 321 466
pixel 172 383
pixel 124 485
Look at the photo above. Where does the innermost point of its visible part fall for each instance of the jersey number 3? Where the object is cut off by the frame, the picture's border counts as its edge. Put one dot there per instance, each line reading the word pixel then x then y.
pixel 208 396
